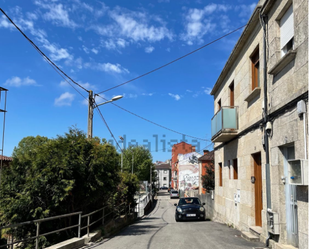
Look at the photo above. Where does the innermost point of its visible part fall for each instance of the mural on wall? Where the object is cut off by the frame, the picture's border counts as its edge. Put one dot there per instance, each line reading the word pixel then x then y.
pixel 188 171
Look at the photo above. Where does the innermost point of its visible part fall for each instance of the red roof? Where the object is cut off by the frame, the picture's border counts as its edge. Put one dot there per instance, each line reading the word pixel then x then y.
pixel 6 158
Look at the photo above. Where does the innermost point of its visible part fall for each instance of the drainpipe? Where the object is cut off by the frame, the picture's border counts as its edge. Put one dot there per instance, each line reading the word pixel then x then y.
pixel 264 19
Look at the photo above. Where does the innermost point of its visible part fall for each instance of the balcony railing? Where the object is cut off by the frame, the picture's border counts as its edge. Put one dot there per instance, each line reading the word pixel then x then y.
pixel 224 125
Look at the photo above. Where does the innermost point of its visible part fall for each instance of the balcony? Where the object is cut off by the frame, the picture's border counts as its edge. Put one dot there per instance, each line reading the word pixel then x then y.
pixel 224 125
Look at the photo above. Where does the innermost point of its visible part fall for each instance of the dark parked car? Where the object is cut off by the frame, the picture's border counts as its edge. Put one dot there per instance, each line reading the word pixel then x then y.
pixel 190 208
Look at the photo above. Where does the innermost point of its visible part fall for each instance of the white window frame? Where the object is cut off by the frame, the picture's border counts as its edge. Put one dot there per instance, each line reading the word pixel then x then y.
pixel 286 31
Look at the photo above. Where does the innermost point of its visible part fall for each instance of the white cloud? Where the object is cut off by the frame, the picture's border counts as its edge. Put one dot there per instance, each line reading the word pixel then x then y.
pixel 200 22
pixel 65 99
pixel 111 68
pixel 147 94
pixel 149 49
pixel 113 44
pixel 86 85
pixel 63 83
pixel 95 51
pixel 32 16
pixel 4 23
pixel 132 96
pixel 85 49
pixel 245 10
pixel 175 96
pixel 18 82
pixel 207 90
pixel 57 14
pixel 132 26
pixel 57 53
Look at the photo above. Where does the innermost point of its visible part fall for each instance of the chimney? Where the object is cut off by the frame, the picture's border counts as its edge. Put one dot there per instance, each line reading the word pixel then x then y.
pixel 205 152
pixel 193 148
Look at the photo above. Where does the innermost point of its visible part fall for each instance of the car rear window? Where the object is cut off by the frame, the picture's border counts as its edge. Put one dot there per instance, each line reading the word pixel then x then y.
pixel 189 201
pixel 175 192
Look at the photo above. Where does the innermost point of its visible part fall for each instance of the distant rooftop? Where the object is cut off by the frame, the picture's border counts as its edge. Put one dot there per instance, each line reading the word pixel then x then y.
pixel 165 166
pixel 207 157
pixel 6 158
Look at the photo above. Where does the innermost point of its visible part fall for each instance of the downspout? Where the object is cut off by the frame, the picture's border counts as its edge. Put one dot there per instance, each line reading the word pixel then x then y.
pixel 264 19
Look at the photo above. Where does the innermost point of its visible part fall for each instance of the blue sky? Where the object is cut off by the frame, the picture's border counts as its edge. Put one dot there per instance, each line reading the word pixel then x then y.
pixel 101 44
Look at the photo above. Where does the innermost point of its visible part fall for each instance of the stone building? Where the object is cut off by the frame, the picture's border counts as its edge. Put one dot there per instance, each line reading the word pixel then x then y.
pixel 260 127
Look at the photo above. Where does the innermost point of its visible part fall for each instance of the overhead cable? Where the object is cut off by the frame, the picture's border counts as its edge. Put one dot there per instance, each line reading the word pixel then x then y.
pixel 38 49
pixel 166 128
pixel 171 62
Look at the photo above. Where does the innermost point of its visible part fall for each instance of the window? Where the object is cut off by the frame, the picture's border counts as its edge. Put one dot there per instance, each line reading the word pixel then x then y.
pixel 164 178
pixel 219 105
pixel 232 94
pixel 235 167
pixel 165 171
pixel 255 67
pixel 220 174
pixel 287 31
pixel 229 164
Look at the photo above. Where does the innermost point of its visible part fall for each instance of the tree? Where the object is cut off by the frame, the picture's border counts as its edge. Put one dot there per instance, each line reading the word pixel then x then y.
pixel 126 189
pixel 208 180
pixel 49 177
pixel 140 159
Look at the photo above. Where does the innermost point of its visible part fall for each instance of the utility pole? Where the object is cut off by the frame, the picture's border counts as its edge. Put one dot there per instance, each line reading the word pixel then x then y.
pixel 132 161
pixel 90 114
pixel 121 138
pixel 150 178
pixel 91 106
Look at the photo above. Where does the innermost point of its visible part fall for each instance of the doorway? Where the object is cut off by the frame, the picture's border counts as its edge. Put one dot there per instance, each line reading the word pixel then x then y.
pixel 258 191
pixel 290 199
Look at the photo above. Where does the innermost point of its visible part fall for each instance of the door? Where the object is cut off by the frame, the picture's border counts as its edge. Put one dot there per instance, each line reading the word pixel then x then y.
pixel 258 189
pixel 290 200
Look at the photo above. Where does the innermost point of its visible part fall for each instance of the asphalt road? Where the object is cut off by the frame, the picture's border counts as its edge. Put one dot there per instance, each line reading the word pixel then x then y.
pixel 160 230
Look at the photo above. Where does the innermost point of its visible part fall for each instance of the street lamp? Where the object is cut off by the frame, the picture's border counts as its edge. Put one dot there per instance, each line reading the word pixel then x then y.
pixel 113 99
pixel 91 106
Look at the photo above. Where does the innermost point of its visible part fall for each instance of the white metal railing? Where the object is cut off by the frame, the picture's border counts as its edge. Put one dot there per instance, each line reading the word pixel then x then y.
pixel 116 211
pixel 142 202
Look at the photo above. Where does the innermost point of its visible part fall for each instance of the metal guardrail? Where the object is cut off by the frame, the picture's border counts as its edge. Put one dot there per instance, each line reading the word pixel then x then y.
pixel 116 212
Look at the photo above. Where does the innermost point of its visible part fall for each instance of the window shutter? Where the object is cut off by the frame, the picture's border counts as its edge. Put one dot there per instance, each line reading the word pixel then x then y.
pixel 287 27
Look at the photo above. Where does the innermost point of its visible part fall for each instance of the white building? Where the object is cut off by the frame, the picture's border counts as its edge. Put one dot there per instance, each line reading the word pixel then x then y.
pixel 163 170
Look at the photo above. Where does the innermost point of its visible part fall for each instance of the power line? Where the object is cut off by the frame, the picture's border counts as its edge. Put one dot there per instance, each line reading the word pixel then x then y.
pixel 37 48
pixel 100 113
pixel 145 119
pixel 171 62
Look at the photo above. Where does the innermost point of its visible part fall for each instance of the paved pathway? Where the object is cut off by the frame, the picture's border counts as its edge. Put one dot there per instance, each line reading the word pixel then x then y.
pixel 160 230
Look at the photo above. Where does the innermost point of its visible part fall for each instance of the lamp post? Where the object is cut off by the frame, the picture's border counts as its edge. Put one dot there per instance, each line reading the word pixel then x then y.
pixel 91 106
pixel 121 138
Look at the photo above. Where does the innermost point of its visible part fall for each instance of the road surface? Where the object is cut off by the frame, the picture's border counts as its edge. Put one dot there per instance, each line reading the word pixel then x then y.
pixel 160 230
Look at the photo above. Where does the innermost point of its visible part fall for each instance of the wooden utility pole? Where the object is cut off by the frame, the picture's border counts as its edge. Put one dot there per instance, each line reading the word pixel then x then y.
pixel 90 114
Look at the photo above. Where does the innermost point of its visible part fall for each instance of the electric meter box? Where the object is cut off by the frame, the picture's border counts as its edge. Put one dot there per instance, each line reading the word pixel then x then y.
pixel 298 172
pixel 273 222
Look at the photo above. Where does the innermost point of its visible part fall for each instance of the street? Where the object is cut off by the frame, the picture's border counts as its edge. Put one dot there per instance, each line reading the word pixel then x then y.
pixel 160 230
